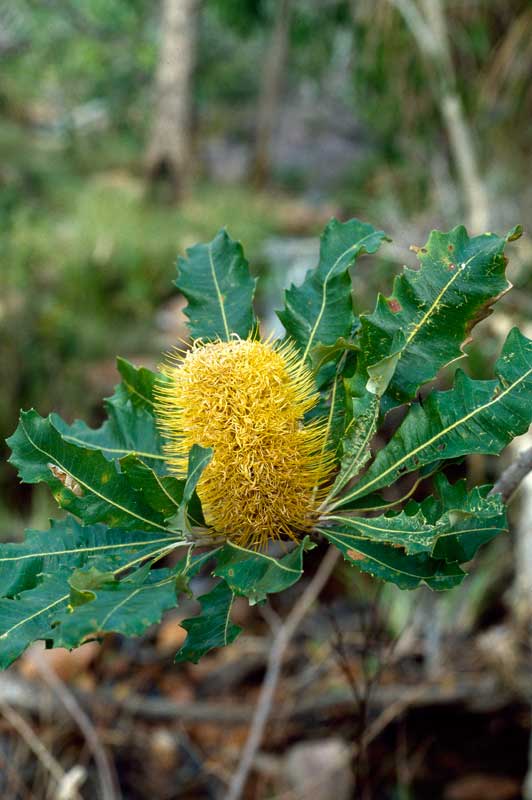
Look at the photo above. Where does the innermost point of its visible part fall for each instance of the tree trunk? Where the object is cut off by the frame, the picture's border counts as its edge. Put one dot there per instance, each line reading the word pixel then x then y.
pixel 270 91
pixel 168 156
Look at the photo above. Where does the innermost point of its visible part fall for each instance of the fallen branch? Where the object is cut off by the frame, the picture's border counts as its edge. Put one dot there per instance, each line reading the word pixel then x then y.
pixel 280 643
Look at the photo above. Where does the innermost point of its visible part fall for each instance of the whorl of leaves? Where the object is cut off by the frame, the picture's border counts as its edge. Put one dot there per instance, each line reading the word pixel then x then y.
pixel 105 568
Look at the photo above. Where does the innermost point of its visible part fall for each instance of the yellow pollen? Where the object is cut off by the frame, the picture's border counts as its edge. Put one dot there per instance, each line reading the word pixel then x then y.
pixel 247 399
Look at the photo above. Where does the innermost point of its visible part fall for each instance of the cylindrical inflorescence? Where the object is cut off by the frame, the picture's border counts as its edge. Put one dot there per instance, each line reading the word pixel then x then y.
pixel 246 400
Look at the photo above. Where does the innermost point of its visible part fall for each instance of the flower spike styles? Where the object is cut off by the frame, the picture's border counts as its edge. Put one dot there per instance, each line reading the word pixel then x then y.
pixel 247 400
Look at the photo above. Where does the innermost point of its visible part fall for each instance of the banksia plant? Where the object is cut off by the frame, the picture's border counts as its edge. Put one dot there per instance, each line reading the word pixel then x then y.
pixel 242 452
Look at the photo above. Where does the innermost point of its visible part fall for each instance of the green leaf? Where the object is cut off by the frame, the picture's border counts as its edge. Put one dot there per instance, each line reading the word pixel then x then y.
pixel 425 322
pixel 464 520
pixel 81 480
pixel 190 507
pixel 411 532
pixel 128 606
pixel 85 582
pixel 138 385
pixel 198 458
pixel 356 442
pixel 162 493
pixel 212 628
pixel 67 545
pixel 473 417
pixel 323 354
pixel 389 562
pixel 30 617
pixel 377 502
pixel 255 574
pixel 320 311
pixel 447 529
pixel 130 427
pixel 215 280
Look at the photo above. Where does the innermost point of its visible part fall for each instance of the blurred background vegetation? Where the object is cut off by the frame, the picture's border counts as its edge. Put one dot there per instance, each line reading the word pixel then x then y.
pixel 130 129
pixel 283 114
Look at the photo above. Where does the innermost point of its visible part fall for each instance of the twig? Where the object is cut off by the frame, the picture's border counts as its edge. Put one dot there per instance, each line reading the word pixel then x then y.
pixel 66 789
pixel 512 476
pixel 73 707
pixel 280 643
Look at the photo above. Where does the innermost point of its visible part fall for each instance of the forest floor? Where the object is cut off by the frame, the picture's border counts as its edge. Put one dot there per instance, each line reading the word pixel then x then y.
pixel 360 712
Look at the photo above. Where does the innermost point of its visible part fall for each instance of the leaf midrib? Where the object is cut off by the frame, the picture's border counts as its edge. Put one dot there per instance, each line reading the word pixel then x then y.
pixel 433 439
pixel 87 486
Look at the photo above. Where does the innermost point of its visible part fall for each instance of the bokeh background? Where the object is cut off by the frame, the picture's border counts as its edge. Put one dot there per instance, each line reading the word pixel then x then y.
pixel 129 130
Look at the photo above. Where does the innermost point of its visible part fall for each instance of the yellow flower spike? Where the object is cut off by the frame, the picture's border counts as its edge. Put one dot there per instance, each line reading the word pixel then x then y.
pixel 246 399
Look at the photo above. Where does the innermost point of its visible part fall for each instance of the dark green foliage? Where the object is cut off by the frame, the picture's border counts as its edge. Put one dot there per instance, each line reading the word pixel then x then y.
pixel 82 579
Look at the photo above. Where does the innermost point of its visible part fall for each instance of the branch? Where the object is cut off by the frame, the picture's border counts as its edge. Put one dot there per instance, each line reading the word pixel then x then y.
pixel 512 476
pixel 74 709
pixel 67 782
pixel 279 645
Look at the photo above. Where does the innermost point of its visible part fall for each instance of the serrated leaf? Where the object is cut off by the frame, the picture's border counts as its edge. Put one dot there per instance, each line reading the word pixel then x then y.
pixel 68 545
pixel 466 520
pixel 473 417
pixel 216 282
pixel 320 311
pixel 428 317
pixel 411 532
pixel 81 479
pixel 212 627
pixel 377 502
pixel 390 563
pixel 128 606
pixel 451 528
pixel 130 427
pixel 255 574
pixel 30 617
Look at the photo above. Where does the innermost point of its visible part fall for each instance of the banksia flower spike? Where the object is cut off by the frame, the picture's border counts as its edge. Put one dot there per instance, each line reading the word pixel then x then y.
pixel 247 400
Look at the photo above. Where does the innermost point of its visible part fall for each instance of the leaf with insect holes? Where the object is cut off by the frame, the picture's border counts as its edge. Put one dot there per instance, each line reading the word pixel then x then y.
pixel 216 282
pixel 425 322
pixel 320 311
pixel 472 417
pixel 212 627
